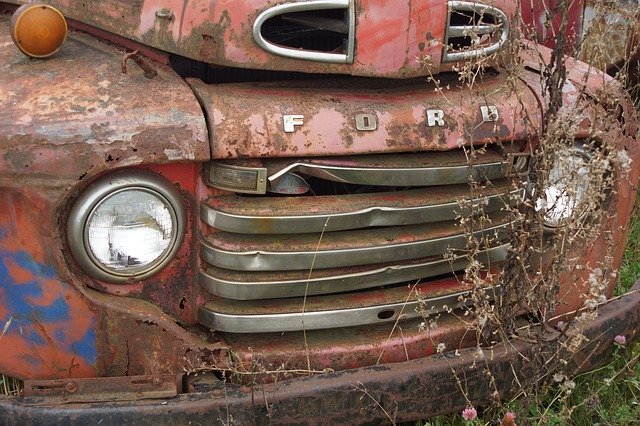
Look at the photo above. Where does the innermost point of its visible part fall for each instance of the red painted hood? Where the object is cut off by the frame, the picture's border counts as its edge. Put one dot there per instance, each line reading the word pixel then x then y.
pixel 391 38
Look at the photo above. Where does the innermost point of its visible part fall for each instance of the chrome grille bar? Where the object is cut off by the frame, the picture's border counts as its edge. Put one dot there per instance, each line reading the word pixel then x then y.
pixel 375 215
pixel 256 286
pixel 279 322
pixel 305 257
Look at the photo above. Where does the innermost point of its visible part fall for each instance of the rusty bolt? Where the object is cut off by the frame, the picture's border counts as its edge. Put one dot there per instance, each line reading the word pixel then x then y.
pixel 71 387
pixel 156 382
pixel 217 393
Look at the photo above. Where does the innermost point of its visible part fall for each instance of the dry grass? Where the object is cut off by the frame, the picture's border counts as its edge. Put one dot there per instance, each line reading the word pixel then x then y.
pixel 10 386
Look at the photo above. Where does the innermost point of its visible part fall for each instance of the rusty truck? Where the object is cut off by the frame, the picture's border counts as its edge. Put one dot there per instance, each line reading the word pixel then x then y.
pixel 261 211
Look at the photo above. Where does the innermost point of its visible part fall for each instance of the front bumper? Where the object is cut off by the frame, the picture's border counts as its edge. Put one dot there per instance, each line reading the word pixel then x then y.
pixel 400 392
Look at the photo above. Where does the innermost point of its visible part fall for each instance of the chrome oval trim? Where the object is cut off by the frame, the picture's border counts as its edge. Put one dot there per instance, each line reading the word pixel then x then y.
pixel 253 290
pixel 260 260
pixel 272 323
pixel 306 54
pixel 417 176
pixel 458 31
pixel 369 217
pixel 106 186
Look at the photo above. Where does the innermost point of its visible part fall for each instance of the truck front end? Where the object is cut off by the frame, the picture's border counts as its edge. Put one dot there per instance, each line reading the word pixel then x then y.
pixel 258 211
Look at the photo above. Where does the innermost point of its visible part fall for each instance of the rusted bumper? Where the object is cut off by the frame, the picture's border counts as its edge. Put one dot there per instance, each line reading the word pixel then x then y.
pixel 404 391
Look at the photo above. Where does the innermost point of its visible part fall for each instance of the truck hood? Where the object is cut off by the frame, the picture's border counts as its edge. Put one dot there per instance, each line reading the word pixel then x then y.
pixel 384 38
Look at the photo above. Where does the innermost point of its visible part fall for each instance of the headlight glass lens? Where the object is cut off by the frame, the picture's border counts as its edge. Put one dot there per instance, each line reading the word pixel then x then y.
pixel 130 231
pixel 567 188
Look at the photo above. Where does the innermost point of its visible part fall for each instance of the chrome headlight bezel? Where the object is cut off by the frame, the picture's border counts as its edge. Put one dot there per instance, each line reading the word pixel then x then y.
pixel 103 189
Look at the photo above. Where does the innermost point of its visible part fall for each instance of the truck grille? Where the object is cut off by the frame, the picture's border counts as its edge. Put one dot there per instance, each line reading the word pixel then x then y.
pixel 473 30
pixel 286 263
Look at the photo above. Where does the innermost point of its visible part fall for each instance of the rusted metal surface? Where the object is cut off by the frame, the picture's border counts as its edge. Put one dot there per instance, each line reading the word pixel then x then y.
pixel 393 39
pixel 405 391
pixel 603 112
pixel 542 20
pixel 48 326
pixel 76 116
pixel 66 120
pixel 108 389
pixel 79 105
pixel 55 326
pixel 246 120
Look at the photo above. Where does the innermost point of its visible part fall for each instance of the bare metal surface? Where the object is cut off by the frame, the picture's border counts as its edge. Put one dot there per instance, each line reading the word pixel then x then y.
pixel 431 176
pixel 77 115
pixel 211 317
pixel 250 286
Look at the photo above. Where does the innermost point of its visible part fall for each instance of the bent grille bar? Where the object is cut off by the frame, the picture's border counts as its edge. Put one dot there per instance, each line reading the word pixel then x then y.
pixel 258 285
pixel 405 176
pixel 236 320
pixel 342 248
pixel 295 215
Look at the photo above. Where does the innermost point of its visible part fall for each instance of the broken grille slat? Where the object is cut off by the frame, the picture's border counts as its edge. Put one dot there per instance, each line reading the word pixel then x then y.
pixel 417 176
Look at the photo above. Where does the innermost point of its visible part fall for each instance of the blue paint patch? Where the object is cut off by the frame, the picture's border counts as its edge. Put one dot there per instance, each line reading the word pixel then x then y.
pixel 35 338
pixel 60 335
pixel 86 347
pixel 19 303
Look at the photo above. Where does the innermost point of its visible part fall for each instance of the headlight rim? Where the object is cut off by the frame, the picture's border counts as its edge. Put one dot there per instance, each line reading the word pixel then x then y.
pixel 98 192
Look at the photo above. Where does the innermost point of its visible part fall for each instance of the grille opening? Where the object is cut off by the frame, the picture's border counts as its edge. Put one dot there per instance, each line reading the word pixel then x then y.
pixel 463 18
pixel 324 30
pixel 320 186
pixel 474 30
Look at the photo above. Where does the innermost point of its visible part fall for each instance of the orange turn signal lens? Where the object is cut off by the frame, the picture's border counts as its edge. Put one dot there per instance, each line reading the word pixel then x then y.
pixel 38 29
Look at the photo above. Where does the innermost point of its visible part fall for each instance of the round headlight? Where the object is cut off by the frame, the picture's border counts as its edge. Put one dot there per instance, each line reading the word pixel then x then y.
pixel 126 226
pixel 567 187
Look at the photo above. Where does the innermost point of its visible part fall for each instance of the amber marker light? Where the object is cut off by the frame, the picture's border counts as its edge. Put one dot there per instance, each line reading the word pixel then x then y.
pixel 38 29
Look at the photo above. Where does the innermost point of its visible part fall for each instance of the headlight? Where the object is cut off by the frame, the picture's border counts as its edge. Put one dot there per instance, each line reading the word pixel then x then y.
pixel 126 226
pixel 567 187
